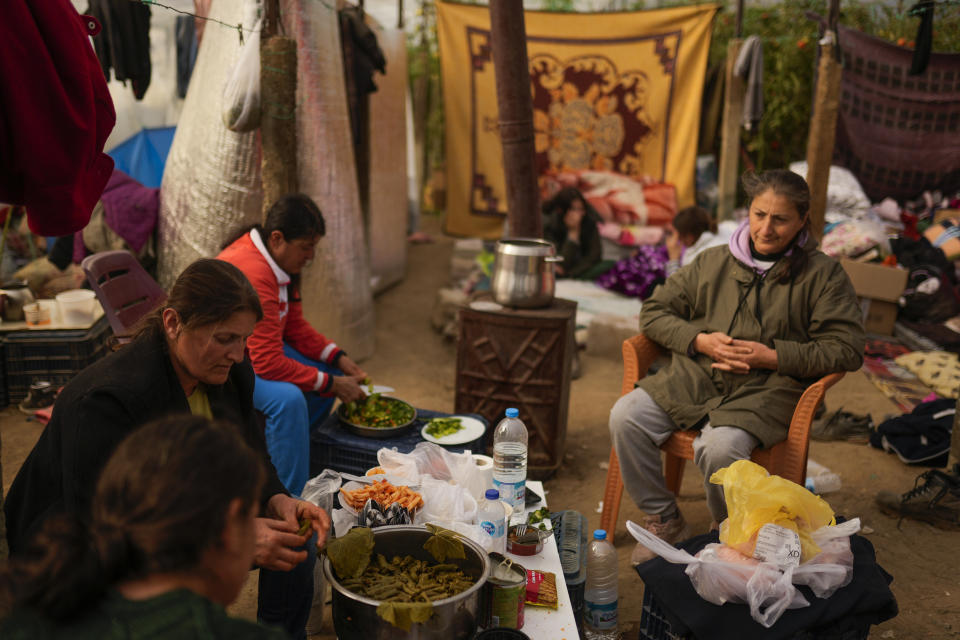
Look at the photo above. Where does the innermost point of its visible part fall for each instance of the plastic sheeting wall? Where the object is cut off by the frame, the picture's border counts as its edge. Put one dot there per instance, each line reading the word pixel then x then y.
pixel 211 184
pixel 337 299
pixel 388 166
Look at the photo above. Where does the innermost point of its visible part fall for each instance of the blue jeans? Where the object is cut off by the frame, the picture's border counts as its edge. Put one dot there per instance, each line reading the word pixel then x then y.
pixel 284 598
pixel 290 413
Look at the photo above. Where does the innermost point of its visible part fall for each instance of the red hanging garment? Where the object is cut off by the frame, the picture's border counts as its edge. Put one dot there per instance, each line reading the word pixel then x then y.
pixel 55 115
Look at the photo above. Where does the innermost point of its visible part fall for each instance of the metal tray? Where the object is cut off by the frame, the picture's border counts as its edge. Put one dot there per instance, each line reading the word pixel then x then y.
pixel 373 432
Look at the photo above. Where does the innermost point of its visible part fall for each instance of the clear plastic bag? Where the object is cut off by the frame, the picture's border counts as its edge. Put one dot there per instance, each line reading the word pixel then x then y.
pixel 320 491
pixel 721 574
pixel 445 502
pixel 428 458
pixel 241 93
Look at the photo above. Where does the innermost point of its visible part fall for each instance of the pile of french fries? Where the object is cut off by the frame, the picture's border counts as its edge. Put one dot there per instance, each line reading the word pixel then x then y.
pixel 384 493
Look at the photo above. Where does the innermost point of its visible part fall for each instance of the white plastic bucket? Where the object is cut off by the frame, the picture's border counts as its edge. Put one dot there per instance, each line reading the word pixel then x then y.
pixel 76 306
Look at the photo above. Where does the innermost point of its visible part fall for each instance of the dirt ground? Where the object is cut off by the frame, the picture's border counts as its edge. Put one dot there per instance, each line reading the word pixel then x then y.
pixel 410 356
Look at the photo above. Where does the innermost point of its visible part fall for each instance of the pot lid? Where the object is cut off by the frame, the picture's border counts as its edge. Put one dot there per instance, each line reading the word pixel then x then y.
pixel 525 247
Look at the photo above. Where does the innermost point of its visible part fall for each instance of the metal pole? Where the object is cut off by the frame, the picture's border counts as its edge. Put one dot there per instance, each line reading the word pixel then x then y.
pixel 399 14
pixel 739 23
pixel 509 44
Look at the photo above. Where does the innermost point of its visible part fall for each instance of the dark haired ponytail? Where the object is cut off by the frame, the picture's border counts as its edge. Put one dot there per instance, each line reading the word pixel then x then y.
pixel 65 569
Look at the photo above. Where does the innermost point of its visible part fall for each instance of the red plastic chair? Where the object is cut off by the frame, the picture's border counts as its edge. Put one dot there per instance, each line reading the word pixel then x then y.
pixel 123 287
pixel 787 459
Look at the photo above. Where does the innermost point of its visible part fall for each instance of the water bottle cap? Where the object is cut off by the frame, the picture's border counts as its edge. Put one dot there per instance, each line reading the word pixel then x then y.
pixel 599 534
pixel 492 494
pixel 512 413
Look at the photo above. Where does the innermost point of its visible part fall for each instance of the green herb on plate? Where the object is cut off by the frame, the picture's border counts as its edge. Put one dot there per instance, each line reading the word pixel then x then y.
pixel 442 427
pixel 539 518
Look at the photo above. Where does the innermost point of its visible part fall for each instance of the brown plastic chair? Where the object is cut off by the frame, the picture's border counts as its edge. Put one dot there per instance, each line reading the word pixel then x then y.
pixel 123 287
pixel 787 459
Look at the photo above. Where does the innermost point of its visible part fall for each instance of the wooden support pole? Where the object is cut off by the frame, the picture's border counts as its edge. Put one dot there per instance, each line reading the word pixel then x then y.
pixel 278 122
pixel 729 169
pixel 823 133
pixel 271 18
pixel 509 43
pixel 823 124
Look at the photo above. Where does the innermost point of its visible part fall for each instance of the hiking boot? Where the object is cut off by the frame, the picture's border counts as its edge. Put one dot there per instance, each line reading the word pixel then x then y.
pixel 935 498
pixel 41 395
pixel 843 425
pixel 672 531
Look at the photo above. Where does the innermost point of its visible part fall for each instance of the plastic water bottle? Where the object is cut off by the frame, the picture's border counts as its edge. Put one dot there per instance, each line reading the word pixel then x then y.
pixel 493 521
pixel 510 460
pixel 600 595
pixel 820 479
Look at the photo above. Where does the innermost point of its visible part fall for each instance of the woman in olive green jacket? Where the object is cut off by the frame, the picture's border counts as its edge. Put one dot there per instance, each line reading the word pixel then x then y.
pixel 748 327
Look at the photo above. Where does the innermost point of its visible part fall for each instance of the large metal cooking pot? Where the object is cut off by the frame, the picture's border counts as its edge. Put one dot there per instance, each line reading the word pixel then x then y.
pixel 355 617
pixel 523 273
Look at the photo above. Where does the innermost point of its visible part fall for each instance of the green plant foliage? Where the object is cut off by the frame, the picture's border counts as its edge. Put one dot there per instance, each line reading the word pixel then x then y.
pixel 423 64
pixel 790 57
pixel 559 5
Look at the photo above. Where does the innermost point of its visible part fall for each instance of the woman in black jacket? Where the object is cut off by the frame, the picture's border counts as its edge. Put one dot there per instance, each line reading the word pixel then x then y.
pixel 188 357
pixel 570 223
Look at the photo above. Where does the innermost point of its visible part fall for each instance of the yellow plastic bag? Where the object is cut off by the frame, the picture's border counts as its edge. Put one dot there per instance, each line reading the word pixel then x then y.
pixel 755 498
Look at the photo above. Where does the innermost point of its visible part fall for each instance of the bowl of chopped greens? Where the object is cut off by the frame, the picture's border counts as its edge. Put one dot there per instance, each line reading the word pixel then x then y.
pixel 377 416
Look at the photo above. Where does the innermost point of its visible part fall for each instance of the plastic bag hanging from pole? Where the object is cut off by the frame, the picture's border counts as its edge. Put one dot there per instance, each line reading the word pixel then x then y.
pixel 241 94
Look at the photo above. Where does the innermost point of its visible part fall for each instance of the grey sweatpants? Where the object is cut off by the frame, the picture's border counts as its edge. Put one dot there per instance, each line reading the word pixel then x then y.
pixel 638 426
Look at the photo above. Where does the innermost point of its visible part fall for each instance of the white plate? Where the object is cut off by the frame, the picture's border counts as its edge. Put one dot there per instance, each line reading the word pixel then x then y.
pixel 377 388
pixel 472 429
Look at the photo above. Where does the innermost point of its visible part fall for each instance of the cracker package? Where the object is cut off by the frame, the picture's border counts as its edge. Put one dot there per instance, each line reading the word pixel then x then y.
pixel 542 589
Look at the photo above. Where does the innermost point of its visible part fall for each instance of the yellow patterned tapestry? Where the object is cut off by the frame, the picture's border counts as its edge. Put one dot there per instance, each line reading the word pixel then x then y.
pixel 611 91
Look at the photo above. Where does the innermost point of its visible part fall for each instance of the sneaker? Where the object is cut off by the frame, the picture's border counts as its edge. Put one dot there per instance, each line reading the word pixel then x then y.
pixel 843 425
pixel 41 395
pixel 673 531
pixel 935 498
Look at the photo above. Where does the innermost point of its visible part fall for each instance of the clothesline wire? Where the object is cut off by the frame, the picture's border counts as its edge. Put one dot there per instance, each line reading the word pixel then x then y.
pixel 239 27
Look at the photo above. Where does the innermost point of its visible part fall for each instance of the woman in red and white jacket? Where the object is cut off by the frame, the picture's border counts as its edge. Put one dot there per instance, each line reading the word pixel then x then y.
pixel 299 372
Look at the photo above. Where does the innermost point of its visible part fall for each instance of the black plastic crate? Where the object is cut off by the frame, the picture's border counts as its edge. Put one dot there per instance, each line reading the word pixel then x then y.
pixel 332 447
pixel 55 356
pixel 654 625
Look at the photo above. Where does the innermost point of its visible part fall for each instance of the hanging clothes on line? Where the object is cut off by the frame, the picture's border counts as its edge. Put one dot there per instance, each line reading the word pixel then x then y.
pixel 749 65
pixel 124 43
pixel 187 45
pixel 55 115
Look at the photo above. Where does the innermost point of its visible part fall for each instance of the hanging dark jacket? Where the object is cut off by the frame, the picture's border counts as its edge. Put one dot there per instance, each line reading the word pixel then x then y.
pixel 55 115
pixel 124 43
pixel 96 410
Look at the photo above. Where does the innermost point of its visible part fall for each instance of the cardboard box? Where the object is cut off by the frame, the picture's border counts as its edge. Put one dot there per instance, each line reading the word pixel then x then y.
pixel 879 288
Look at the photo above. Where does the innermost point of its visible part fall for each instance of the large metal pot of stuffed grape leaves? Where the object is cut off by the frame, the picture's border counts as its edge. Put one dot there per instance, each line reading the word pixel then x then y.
pixel 454 618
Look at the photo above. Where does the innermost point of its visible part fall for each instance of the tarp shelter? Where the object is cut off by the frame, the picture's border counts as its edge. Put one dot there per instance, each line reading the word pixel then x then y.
pixel 143 155
pixel 617 91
